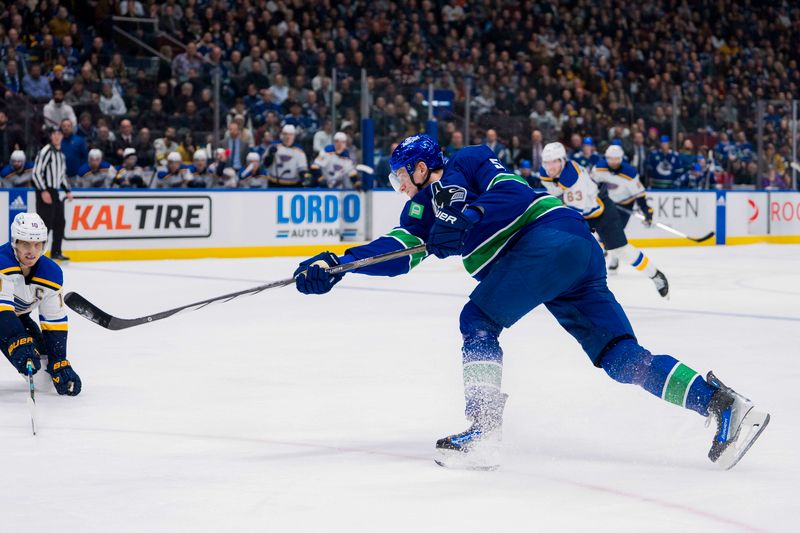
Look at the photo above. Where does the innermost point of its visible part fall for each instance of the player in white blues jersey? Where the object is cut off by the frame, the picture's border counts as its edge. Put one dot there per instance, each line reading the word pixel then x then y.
pixel 18 172
pixel 253 175
pixel 525 248
pixel 30 282
pixel 95 172
pixel 624 189
pixel 175 175
pixel 286 163
pixel 333 167
pixel 571 182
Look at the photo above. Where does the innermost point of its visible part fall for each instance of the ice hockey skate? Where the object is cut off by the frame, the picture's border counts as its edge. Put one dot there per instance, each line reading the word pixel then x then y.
pixel 662 285
pixel 477 448
pixel 739 424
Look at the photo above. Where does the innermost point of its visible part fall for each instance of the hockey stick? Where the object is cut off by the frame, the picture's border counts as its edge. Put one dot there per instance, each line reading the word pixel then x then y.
pixel 32 398
pixel 366 169
pixel 88 310
pixel 669 229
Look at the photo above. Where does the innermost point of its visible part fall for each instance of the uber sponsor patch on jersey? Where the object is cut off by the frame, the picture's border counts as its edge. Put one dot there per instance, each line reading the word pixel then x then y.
pixel 415 210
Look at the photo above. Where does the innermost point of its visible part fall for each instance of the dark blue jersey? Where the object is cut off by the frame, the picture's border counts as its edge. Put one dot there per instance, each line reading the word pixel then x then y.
pixel 506 200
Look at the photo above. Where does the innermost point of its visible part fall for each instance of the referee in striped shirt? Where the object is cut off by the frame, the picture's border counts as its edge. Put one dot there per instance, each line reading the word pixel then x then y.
pixel 49 177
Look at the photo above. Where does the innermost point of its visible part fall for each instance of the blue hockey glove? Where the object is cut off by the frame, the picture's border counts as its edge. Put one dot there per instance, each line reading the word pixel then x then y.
pixel 65 379
pixel 20 350
pixel 448 232
pixel 311 276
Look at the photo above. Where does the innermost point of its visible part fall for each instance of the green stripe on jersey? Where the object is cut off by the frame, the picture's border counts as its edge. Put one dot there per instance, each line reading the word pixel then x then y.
pixel 506 177
pixel 677 383
pixel 482 374
pixel 488 249
pixel 409 240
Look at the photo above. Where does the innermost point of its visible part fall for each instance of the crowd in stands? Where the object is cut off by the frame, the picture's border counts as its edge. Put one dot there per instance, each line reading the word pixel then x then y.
pixel 584 72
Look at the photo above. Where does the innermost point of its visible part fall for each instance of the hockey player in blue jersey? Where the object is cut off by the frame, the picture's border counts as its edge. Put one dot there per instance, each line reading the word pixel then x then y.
pixel 525 249
pixel 586 157
pixel 18 172
pixel 664 166
pixel 31 281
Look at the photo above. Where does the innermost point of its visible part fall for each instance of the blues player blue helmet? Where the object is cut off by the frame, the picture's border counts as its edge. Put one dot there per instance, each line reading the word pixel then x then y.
pixel 412 150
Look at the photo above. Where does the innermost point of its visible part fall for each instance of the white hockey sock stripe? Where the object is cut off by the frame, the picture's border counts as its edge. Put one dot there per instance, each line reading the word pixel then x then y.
pixel 483 374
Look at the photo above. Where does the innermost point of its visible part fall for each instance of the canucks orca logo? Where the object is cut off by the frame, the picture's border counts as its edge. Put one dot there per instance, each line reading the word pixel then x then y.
pixel 447 196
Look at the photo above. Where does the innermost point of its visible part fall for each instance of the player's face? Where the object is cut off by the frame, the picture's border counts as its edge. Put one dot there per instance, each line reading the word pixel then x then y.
pixel 553 168
pixel 94 163
pixel 173 166
pixel 287 139
pixel 339 146
pixel 29 252
pixel 16 165
pixel 200 164
pixel 614 162
pixel 588 149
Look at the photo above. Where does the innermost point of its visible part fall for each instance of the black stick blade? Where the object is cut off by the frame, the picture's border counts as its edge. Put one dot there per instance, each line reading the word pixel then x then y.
pixel 704 238
pixel 87 309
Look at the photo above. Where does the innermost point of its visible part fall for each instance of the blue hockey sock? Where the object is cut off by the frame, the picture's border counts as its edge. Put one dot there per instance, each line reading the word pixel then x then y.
pixel 661 375
pixel 482 358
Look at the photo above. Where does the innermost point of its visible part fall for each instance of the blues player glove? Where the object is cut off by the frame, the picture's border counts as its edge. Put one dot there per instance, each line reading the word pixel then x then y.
pixel 20 350
pixel 647 211
pixel 311 277
pixel 65 379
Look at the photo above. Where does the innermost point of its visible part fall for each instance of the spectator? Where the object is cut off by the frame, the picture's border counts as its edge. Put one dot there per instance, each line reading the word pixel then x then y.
pixel 187 147
pixel 154 118
pixel 456 144
pixel 74 148
pixel 125 139
pixel 111 103
pixel 526 171
pixel 165 145
pixel 323 137
pixel 186 61
pixel 145 151
pixel 57 110
pixel 537 145
pixel 78 95
pixel 12 80
pixel 35 85
pixel 497 147
pixel 86 129
pixel 104 140
pixel 10 140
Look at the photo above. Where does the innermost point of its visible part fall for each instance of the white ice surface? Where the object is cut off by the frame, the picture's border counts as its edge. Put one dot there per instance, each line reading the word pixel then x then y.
pixel 288 413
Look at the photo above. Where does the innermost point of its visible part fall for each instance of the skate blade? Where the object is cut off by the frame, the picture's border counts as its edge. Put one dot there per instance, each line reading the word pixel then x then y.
pixel 753 424
pixel 482 460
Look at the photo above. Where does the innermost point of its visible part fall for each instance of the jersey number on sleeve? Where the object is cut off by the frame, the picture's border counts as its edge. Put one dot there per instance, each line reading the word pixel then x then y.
pixel 576 197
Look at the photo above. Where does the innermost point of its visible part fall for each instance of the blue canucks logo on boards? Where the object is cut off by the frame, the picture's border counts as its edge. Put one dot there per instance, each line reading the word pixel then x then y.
pixel 304 213
pixel 17 203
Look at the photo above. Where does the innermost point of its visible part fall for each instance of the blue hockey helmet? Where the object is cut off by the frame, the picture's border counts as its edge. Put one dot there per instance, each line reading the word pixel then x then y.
pixel 412 150
pixel 588 141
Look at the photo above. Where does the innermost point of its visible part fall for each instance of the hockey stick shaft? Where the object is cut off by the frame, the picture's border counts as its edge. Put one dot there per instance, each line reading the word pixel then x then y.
pixel 666 228
pixel 31 400
pixel 88 310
